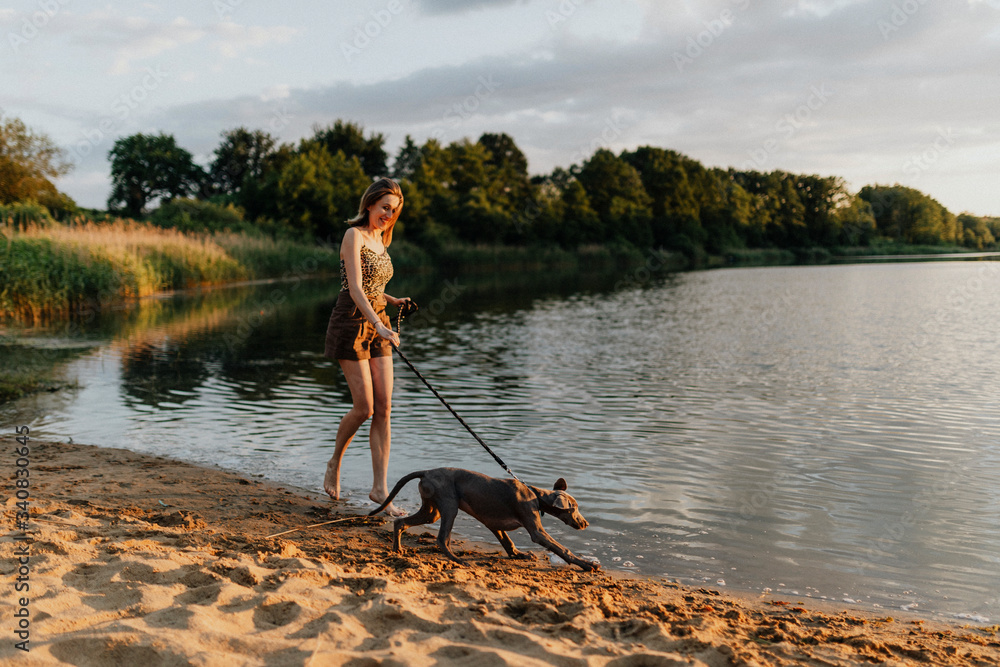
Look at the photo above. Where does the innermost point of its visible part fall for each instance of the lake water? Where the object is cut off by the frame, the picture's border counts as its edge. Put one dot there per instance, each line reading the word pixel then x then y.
pixel 824 431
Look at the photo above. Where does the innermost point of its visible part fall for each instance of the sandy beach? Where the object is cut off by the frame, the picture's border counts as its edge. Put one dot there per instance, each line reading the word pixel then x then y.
pixel 142 560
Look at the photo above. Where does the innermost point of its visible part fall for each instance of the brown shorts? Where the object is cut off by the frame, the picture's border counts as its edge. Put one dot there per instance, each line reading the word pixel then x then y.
pixel 350 336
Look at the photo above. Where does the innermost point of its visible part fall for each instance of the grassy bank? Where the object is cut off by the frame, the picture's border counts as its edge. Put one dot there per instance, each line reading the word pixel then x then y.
pixel 50 270
pixel 817 255
pixel 53 270
pixel 473 259
pixel 754 257
pixel 887 248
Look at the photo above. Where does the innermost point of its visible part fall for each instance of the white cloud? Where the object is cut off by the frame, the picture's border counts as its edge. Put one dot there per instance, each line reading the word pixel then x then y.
pixel 558 90
pixel 138 38
pixel 233 39
pixel 277 92
pixel 820 8
pixel 454 6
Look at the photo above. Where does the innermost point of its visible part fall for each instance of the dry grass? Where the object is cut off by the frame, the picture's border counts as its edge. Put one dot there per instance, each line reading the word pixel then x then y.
pixel 49 269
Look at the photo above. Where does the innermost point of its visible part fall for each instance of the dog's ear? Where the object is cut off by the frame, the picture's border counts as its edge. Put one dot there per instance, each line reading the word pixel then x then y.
pixel 562 501
pixel 560 484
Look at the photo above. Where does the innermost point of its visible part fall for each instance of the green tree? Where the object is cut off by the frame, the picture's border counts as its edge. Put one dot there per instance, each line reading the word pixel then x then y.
pixel 821 197
pixel 509 187
pixel 543 218
pixel 777 209
pixel 477 218
pixel 404 166
pixel 430 197
pixel 675 204
pixel 581 223
pixel 856 222
pixel 505 156
pixel 195 215
pixel 28 162
pixel 976 232
pixel 350 138
pixel 993 225
pixel 241 156
pixel 726 212
pixel 258 196
pixel 145 167
pixel 316 191
pixel 908 215
pixel 508 167
pixel 616 192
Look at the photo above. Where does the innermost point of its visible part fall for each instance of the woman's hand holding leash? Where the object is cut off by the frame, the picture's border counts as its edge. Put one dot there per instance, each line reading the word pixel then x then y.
pixel 387 333
pixel 407 306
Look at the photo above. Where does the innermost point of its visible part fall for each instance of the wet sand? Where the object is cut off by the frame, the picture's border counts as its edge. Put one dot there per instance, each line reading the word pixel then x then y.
pixel 142 560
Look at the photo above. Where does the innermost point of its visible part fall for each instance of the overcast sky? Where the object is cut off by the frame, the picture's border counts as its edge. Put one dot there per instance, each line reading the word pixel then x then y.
pixel 875 91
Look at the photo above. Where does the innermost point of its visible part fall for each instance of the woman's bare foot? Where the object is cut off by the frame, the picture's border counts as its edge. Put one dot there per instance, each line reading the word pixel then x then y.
pixel 390 509
pixel 331 482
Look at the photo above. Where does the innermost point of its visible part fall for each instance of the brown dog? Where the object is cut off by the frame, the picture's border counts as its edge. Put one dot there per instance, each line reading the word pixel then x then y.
pixel 499 504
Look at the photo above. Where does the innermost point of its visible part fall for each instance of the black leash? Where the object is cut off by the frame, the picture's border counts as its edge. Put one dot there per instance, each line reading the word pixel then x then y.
pixel 461 421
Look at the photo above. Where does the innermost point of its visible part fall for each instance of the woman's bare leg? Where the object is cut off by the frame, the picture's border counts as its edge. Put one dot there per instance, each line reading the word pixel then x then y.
pixel 380 435
pixel 359 381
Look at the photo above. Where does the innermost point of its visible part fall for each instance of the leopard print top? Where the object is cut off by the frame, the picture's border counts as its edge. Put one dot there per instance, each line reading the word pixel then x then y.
pixel 376 270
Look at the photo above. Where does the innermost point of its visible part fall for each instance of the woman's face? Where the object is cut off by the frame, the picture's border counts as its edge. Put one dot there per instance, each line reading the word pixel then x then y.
pixel 381 212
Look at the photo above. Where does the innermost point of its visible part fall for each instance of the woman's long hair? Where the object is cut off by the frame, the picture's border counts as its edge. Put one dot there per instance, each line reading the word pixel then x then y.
pixel 375 191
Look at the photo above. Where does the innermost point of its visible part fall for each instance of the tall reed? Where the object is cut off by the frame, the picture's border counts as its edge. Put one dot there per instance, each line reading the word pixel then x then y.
pixel 271 258
pixel 49 269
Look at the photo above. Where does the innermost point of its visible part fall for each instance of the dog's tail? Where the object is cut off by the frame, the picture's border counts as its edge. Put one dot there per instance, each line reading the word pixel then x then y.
pixel 396 489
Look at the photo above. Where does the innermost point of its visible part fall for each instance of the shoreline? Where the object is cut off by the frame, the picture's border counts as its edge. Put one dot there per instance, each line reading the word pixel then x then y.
pixel 259 259
pixel 137 558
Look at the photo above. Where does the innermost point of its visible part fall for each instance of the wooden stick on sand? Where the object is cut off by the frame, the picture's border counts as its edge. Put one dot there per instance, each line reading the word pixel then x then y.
pixel 315 525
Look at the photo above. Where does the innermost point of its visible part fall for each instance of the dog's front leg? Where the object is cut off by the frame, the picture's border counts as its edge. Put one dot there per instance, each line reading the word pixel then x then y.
pixel 542 538
pixel 508 545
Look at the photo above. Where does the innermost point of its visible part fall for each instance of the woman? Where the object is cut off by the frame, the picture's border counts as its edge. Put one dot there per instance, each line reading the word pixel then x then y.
pixel 360 335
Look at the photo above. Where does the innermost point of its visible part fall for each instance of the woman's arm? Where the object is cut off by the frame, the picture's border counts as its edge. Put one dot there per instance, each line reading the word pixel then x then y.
pixel 350 252
pixel 394 301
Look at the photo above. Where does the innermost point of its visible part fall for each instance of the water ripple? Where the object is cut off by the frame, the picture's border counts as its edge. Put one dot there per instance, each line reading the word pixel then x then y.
pixel 825 428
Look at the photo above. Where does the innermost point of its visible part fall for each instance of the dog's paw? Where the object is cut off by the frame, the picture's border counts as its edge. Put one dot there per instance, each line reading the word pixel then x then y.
pixel 523 555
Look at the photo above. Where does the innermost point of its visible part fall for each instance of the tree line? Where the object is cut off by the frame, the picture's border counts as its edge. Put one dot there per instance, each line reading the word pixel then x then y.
pixel 480 192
